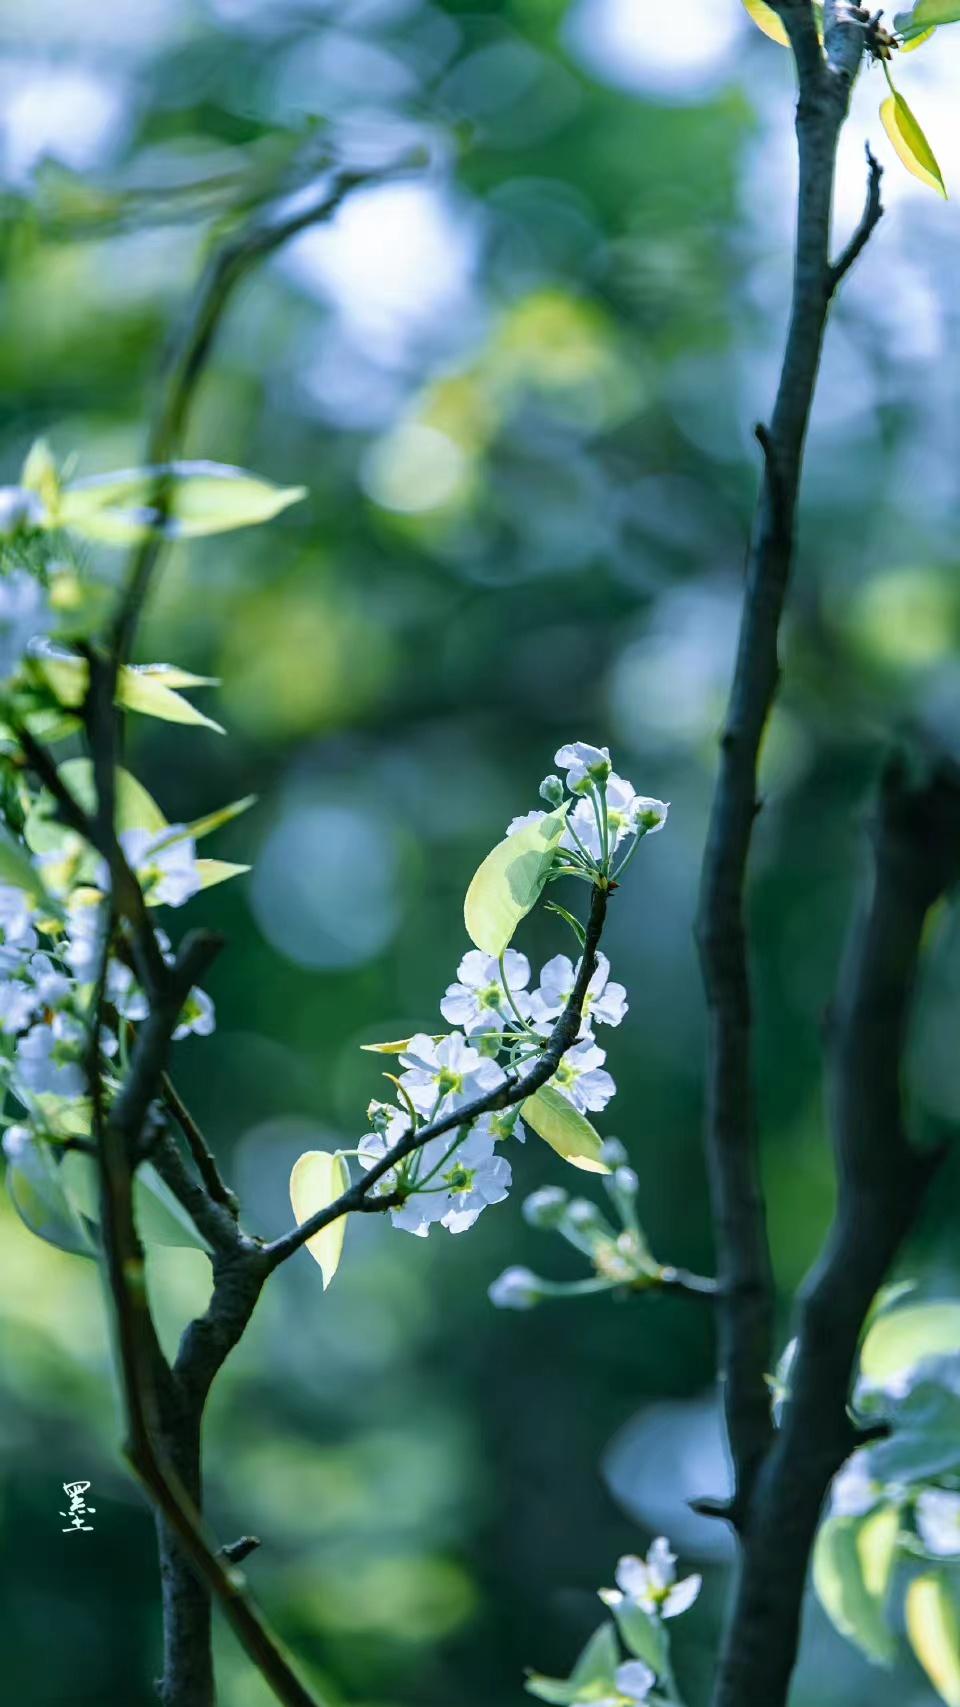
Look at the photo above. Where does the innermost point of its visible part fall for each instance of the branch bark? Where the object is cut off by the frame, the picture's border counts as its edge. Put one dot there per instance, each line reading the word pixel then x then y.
pixel 746 1297
pixel 881 1184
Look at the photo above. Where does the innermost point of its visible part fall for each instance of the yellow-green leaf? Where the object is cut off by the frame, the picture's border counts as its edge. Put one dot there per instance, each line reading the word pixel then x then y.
pixel 199 498
pixel 766 20
pixel 841 1563
pixel 565 1129
pixel 213 871
pixel 900 1339
pixel 147 688
pixel 910 143
pixel 318 1179
pixel 17 868
pixel 398 1046
pixel 934 1630
pixel 509 881
pixel 910 42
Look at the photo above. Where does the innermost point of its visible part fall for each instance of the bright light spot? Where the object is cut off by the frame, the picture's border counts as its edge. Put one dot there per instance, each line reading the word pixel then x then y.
pixel 414 469
pixel 68 112
pixel 324 885
pixel 396 262
pixel 675 51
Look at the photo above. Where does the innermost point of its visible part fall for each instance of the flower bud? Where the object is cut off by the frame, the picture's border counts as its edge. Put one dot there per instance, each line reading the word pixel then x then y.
pixel 551 790
pixel 649 815
pixel 545 1208
pixel 584 1216
pixel 516 1289
pixel 614 1153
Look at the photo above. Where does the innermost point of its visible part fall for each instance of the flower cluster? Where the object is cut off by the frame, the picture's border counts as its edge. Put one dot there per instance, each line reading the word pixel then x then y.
pixel 504 1021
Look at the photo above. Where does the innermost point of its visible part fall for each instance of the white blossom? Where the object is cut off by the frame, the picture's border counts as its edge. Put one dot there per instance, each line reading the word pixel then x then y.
pixel 48 1058
pixel 442 1076
pixel 478 1001
pixel 24 614
pixel 583 764
pixel 18 999
pixel 621 818
pixel 16 917
pixel 502 1123
pixel 515 1289
pixel 197 1015
pixel 649 815
pixel 166 869
pixel 604 1002
pixel 581 1079
pixel 938 1521
pixel 521 823
pixel 635 1680
pixel 651 1583
pixel 854 1491
pixel 449 1183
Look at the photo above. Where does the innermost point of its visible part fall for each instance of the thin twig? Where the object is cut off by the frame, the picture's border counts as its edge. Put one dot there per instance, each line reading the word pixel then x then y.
pixel 203 1157
pixel 869 219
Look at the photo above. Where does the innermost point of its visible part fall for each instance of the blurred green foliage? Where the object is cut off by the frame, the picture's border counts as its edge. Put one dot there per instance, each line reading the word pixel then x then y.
pixel 519 388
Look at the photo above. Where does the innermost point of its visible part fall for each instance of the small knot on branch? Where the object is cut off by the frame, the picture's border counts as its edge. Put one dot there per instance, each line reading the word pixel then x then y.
pixel 236 1551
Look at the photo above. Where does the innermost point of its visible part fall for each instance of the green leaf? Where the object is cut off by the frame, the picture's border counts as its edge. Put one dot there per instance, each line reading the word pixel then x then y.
pixel 147 688
pixel 933 1627
pixel 17 868
pixel 37 1191
pixel 510 880
pixel 644 1634
pixel 901 1339
pixel 201 498
pixel 925 16
pixel 926 1437
pixel 852 1561
pixel 565 1129
pixel 910 143
pixel 318 1179
pixel 160 1217
pixel 592 1677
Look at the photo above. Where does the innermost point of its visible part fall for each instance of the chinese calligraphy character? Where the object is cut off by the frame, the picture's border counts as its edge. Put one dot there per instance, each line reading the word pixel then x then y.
pixel 78 1507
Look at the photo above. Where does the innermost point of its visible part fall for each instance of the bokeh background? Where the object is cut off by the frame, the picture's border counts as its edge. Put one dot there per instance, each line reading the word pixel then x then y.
pixel 520 388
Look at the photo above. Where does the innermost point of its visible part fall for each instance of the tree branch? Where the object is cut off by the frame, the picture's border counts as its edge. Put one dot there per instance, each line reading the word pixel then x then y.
pixel 870 217
pixel 881 1185
pixel 745 1311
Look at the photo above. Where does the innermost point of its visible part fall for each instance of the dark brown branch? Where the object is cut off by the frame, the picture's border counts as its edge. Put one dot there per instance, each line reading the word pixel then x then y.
pixel 881 1184
pixel 562 1037
pixel 745 1313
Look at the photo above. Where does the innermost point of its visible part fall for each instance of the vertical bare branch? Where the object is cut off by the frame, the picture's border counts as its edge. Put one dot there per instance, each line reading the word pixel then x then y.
pixel 746 1303
pixel 881 1184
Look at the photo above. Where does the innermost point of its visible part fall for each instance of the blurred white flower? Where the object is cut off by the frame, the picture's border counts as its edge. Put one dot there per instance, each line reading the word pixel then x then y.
pixel 938 1522
pixel 621 819
pixel 635 1680
pixel 521 823
pixel 16 917
pixel 651 1583
pixel 604 1002
pixel 442 1076
pixel 25 614
pixel 48 1058
pixel 166 869
pixel 478 1002
pixel 581 1079
pixel 853 1490
pixel 515 1289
